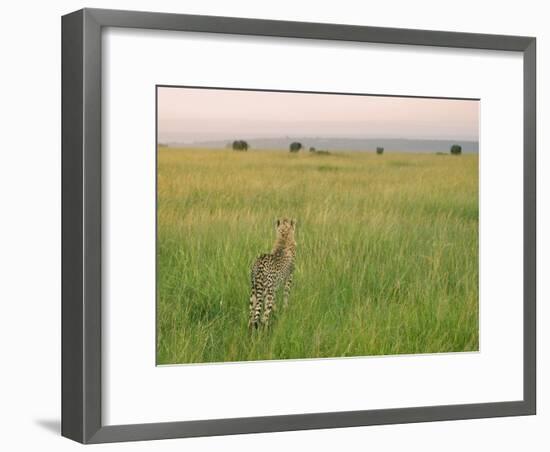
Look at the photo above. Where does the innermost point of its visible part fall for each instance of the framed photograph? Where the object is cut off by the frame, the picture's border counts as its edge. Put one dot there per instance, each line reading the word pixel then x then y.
pixel 274 225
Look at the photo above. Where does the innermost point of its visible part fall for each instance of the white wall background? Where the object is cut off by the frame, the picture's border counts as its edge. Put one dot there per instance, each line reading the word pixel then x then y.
pixel 30 88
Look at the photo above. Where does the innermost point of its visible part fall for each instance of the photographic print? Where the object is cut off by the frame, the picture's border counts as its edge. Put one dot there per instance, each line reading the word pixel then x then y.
pixel 295 225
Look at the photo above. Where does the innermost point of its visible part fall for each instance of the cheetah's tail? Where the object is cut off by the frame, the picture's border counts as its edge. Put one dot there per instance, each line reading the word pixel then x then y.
pixel 254 311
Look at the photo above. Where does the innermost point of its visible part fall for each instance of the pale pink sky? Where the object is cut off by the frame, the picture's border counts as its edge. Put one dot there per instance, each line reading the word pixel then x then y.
pixel 190 114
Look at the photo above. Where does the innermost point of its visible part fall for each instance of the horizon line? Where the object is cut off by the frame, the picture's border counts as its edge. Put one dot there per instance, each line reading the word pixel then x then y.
pixel 295 137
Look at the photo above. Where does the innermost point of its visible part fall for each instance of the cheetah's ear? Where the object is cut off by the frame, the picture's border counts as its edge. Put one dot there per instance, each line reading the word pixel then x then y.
pixel 293 222
pixel 277 222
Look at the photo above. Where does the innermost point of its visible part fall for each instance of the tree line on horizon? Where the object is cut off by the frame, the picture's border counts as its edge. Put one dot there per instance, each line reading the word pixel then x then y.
pixel 296 146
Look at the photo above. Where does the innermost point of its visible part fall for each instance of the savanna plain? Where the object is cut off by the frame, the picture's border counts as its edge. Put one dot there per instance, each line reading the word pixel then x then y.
pixel 386 257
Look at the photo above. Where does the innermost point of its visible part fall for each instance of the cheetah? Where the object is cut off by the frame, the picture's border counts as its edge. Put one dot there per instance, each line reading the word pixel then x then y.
pixel 270 271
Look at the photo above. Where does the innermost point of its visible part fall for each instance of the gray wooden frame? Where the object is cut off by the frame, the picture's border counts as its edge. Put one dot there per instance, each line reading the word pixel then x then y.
pixel 81 225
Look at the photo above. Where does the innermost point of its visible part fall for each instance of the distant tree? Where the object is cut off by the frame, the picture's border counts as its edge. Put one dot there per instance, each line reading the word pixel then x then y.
pixel 456 149
pixel 322 152
pixel 379 150
pixel 295 146
pixel 312 149
pixel 163 145
pixel 240 145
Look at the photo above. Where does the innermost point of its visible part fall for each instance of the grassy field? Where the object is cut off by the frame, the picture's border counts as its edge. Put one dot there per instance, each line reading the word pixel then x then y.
pixel 387 254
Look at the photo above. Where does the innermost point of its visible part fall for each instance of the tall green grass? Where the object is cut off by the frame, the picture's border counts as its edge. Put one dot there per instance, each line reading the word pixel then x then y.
pixel 387 254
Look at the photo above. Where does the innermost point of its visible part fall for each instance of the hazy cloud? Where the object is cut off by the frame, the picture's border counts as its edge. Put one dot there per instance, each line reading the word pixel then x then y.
pixel 188 114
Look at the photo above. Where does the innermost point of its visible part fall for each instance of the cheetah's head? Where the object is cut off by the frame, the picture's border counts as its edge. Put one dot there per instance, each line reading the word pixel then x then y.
pixel 286 228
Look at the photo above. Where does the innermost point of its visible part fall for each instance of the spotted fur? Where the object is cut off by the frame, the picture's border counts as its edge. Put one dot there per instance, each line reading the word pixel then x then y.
pixel 271 271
